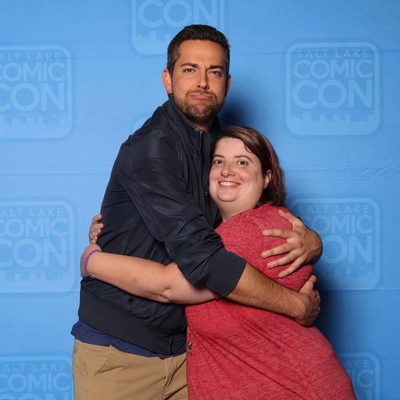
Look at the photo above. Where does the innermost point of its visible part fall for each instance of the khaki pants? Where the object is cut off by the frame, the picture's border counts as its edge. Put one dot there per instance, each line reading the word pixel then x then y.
pixel 105 373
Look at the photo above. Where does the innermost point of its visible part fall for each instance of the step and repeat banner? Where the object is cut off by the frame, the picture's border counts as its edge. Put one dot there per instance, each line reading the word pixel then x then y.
pixel 319 78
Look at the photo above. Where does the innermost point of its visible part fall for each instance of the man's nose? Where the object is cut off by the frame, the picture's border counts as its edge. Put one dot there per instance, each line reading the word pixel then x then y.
pixel 203 81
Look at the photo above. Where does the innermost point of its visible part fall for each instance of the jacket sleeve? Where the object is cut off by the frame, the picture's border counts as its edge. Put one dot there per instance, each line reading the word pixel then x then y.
pixel 150 170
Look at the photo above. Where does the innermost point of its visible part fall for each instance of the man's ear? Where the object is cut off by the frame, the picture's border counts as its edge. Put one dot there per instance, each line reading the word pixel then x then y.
pixel 228 84
pixel 167 80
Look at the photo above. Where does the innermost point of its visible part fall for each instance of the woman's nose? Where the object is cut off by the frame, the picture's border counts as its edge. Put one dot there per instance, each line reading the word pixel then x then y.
pixel 227 170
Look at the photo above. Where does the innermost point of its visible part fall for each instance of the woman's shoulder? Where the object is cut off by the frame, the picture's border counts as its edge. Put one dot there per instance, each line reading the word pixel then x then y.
pixel 266 217
pixel 249 224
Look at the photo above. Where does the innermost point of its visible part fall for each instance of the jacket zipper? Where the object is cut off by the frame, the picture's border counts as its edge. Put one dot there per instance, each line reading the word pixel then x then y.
pixel 204 156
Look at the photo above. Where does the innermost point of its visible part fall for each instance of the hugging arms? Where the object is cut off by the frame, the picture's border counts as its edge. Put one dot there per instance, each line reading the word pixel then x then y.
pixel 166 284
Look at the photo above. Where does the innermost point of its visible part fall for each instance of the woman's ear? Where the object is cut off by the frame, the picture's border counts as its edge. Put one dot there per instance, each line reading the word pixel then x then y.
pixel 167 80
pixel 267 178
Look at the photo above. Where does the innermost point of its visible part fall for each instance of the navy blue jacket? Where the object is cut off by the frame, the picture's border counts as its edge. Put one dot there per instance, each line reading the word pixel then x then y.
pixel 157 207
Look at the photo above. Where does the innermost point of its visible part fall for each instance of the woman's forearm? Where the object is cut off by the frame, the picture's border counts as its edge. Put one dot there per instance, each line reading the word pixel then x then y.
pixel 145 278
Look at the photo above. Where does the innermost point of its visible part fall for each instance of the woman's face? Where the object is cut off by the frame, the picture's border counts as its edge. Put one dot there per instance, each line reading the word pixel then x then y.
pixel 236 179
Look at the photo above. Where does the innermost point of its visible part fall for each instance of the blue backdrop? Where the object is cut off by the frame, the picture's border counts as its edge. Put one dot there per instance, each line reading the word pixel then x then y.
pixel 320 78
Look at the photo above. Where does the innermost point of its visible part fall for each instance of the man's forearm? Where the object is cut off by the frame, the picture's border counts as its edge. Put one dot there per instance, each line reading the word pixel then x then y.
pixel 257 290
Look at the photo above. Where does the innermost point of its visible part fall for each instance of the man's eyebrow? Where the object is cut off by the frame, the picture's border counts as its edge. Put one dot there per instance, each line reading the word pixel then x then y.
pixel 189 64
pixel 216 67
pixel 194 65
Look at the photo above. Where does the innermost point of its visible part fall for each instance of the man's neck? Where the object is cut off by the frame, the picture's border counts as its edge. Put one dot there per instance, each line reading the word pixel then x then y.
pixel 203 127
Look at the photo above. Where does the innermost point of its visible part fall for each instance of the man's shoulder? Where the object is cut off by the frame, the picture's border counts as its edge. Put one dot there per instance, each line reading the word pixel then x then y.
pixel 159 125
pixel 156 139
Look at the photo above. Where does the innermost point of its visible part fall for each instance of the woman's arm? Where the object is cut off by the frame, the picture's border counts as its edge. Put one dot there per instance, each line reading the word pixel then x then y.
pixel 143 278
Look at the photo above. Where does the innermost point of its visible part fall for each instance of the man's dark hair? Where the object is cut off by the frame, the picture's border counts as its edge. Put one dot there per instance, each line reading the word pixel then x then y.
pixel 196 32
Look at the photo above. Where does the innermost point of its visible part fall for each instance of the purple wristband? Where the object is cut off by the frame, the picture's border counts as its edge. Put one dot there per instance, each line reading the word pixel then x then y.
pixel 87 275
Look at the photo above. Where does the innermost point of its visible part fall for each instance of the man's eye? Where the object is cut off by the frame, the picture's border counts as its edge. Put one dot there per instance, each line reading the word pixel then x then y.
pixel 188 70
pixel 216 72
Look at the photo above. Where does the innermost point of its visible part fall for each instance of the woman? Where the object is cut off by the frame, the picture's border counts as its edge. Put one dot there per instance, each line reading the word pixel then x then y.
pixel 236 351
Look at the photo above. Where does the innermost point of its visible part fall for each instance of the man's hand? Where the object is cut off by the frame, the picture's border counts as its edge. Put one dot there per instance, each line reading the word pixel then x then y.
pixel 302 245
pixel 95 229
pixel 311 302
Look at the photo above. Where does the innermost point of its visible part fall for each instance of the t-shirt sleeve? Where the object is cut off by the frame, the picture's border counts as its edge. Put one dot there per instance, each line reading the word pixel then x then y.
pixel 243 236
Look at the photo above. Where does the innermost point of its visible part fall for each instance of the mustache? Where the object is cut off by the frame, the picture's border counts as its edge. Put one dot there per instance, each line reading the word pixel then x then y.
pixel 201 92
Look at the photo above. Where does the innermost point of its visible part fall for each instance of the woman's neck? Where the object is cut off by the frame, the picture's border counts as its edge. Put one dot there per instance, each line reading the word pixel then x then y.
pixel 226 213
pixel 229 214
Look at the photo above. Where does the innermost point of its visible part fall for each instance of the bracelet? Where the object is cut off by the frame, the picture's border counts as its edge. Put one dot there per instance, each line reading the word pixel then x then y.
pixel 86 273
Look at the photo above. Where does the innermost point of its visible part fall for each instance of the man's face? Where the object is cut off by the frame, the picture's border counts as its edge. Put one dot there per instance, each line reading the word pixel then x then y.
pixel 199 82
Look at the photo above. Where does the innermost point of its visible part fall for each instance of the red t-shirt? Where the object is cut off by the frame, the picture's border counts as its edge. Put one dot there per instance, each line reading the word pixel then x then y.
pixel 240 352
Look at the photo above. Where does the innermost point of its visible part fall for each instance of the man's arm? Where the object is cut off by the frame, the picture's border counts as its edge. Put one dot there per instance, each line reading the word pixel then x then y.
pixel 150 169
pixel 257 290
pixel 303 245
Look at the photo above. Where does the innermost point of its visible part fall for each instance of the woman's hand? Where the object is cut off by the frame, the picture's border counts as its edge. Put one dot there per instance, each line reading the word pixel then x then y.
pixel 95 228
pixel 303 246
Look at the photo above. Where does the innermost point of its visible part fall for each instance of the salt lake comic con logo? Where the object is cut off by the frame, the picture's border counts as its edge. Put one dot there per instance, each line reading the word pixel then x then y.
pixel 156 22
pixel 332 89
pixel 35 92
pixel 36 246
pixel 364 371
pixel 349 229
pixel 36 378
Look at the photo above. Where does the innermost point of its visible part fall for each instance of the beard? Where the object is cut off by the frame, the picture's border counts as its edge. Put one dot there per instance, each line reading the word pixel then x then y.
pixel 200 112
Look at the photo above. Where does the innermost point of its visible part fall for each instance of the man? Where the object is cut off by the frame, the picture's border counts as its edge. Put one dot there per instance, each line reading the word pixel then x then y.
pixel 157 207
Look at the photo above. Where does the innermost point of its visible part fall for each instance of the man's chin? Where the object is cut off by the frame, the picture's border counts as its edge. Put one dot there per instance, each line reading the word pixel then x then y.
pixel 201 118
pixel 205 110
pixel 202 106
pixel 200 112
